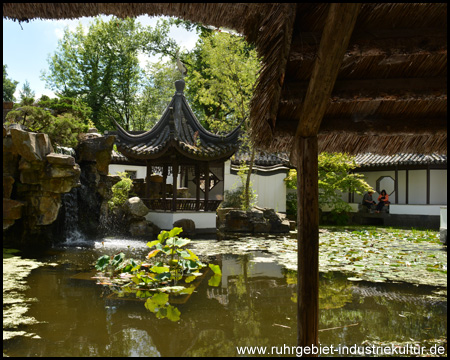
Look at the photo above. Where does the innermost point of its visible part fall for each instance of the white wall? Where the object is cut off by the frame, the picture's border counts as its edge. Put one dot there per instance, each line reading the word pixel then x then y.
pixel 271 189
pixel 165 220
pixel 141 170
pixel 113 169
pixel 417 191
pixel 438 187
pixel 415 209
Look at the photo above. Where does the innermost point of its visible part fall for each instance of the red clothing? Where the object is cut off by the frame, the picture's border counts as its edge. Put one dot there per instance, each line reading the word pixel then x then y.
pixel 386 198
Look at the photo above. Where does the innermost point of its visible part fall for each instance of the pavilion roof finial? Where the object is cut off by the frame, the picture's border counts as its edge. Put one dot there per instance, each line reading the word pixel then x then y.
pixel 179 86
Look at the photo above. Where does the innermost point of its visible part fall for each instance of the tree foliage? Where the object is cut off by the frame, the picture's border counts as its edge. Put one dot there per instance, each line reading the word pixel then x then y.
pixel 102 67
pixel 335 179
pixel 62 119
pixel 26 91
pixel 9 86
pixel 221 80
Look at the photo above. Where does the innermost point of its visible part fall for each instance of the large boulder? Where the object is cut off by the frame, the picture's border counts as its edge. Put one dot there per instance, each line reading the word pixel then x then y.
pixel 238 221
pixel 97 150
pixel 8 182
pixel 135 207
pixel 31 146
pixel 12 210
pixel 254 221
pixel 141 228
pixel 188 226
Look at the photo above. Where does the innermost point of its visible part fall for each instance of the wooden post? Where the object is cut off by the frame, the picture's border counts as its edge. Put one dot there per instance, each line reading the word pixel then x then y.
pixel 197 187
pixel 308 241
pixel 147 180
pixel 206 186
pixel 407 187
pixel 175 186
pixel 428 185
pixel 396 184
pixel 164 190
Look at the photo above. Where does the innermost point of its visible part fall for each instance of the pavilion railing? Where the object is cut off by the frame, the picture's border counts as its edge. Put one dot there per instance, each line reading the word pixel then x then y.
pixel 182 204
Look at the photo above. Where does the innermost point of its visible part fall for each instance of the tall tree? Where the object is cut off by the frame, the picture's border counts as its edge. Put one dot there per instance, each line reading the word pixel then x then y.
pixel 157 90
pixel 221 86
pixel 102 67
pixel 9 86
pixel 26 91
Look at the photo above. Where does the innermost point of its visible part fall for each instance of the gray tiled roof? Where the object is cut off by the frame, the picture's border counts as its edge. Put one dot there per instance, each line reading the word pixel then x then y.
pixel 369 159
pixel 262 158
pixel 179 129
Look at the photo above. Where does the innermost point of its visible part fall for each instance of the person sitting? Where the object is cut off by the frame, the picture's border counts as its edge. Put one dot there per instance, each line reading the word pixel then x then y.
pixel 368 201
pixel 383 199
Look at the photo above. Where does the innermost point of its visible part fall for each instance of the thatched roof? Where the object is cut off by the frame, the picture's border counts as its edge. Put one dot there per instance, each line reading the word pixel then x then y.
pixel 387 95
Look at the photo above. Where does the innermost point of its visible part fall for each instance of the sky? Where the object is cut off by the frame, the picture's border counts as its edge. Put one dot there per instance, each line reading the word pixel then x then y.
pixel 27 46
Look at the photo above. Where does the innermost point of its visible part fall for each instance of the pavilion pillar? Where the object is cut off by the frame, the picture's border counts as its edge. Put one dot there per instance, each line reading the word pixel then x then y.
pixel 164 190
pixel 308 241
pixel 175 186
pixel 206 186
pixel 197 187
pixel 147 180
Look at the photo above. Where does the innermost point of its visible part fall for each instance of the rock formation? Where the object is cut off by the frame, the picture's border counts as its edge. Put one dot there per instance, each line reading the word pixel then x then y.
pixel 34 177
pixel 254 221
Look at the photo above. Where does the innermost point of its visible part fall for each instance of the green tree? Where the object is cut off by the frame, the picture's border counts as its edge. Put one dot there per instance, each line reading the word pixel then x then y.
pixel 62 128
pixel 335 179
pixel 9 86
pixel 26 91
pixel 223 73
pixel 158 89
pixel 102 67
pixel 221 79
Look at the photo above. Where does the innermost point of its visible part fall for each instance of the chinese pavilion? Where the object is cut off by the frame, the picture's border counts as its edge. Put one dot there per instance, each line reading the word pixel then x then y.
pixel 179 146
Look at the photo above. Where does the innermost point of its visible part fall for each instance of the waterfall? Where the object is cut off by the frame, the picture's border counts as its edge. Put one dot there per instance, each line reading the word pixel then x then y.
pixel 72 232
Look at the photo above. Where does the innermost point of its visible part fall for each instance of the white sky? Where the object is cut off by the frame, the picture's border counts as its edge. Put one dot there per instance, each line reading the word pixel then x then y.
pixel 27 46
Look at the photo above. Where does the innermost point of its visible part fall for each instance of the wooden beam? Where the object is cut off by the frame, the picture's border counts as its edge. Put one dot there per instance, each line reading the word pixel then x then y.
pixel 412 37
pixel 372 125
pixel 336 35
pixel 308 241
pixel 372 88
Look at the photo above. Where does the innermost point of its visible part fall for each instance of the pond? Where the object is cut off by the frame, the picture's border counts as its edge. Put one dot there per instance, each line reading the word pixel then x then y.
pixel 254 305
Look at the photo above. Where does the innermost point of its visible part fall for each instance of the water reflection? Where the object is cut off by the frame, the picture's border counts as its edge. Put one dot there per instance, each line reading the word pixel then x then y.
pixel 254 305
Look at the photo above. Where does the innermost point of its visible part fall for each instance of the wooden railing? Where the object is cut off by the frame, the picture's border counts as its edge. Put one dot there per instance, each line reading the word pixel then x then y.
pixel 182 204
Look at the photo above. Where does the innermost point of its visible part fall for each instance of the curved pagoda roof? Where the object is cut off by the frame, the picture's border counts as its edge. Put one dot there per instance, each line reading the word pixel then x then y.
pixel 178 132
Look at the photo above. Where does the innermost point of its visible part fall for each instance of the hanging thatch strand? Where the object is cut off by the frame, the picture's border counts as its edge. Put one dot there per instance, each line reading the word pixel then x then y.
pixel 390 94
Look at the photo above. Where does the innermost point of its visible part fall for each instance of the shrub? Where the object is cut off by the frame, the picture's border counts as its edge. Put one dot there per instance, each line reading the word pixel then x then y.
pixel 120 191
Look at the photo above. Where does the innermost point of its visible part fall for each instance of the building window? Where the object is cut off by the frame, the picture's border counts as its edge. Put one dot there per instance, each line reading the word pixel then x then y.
pixel 213 181
pixel 132 174
pixel 386 183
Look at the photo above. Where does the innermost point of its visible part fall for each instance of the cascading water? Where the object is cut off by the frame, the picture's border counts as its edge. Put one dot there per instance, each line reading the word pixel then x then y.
pixel 72 232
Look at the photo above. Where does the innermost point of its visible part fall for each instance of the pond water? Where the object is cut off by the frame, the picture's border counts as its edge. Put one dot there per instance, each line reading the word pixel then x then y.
pixel 254 305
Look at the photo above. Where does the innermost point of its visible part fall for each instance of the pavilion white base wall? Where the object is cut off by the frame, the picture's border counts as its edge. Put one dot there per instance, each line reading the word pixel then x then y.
pixel 204 221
